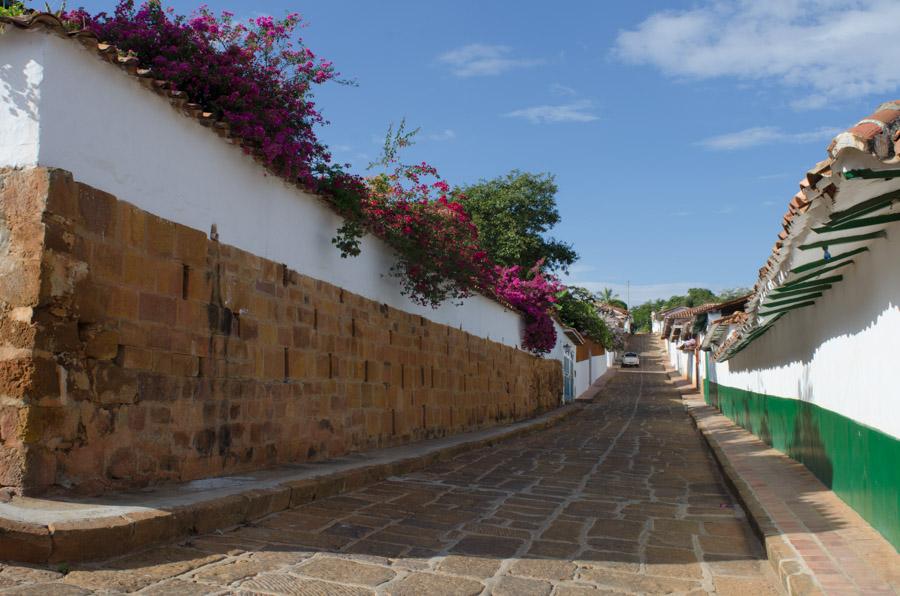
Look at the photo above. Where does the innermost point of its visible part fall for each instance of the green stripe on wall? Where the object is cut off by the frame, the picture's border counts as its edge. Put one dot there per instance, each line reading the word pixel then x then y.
pixel 706 378
pixel 860 464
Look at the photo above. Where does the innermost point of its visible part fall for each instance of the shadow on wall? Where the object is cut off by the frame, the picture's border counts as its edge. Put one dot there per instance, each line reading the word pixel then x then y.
pixel 805 444
pixel 790 426
pixel 869 290
pixel 22 93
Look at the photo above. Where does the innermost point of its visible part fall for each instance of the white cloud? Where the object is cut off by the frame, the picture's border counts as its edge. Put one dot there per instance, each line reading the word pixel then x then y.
pixel 641 293
pixel 831 49
pixel 558 89
pixel 445 135
pixel 764 135
pixel 579 111
pixel 476 59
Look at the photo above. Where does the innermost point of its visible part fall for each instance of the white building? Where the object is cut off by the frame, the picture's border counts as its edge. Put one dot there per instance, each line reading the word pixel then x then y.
pixel 813 369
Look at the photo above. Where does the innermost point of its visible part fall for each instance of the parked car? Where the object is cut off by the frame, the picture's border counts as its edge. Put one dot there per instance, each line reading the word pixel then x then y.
pixel 631 359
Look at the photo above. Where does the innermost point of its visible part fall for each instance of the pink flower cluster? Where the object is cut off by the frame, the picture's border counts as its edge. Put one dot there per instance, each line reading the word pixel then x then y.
pixel 533 294
pixel 255 76
pixel 439 254
pixel 417 213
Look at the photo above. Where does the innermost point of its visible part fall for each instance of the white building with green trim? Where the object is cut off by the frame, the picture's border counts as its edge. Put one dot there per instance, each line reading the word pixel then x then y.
pixel 814 370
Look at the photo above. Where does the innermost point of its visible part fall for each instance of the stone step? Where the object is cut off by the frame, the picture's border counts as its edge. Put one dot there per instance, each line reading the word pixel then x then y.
pixel 40 530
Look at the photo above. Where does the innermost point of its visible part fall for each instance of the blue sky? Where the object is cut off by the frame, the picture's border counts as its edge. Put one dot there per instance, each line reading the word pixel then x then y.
pixel 677 131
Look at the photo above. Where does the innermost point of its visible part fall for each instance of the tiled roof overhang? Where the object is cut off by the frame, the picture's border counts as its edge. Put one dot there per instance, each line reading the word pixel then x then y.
pixel 830 222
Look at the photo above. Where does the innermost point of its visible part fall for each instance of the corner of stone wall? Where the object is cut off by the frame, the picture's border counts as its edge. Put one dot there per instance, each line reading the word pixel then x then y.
pixel 38 275
pixel 23 196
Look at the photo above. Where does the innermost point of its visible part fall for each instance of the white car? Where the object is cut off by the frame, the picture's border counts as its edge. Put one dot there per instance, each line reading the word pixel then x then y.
pixel 631 359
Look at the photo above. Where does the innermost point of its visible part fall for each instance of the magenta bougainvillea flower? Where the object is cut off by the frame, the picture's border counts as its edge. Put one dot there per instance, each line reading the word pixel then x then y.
pixel 257 77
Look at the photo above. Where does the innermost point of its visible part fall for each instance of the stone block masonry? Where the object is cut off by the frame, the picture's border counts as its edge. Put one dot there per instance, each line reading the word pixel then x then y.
pixel 135 351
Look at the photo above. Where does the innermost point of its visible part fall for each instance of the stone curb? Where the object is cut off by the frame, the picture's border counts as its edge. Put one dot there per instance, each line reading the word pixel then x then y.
pixel 795 578
pixel 102 537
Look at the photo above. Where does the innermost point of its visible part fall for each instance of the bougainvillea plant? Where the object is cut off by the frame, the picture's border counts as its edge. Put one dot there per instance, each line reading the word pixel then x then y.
pixel 533 293
pixel 421 218
pixel 439 253
pixel 255 76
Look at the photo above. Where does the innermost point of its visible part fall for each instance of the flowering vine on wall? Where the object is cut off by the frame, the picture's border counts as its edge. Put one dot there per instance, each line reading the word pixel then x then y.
pixel 257 77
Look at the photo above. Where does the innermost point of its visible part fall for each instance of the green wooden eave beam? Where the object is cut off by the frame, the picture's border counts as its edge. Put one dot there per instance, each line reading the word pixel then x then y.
pixel 748 340
pixel 867 174
pixel 862 222
pixel 792 300
pixel 794 286
pixel 752 335
pixel 844 240
pixel 809 276
pixel 867 206
pixel 787 308
pixel 816 287
pixel 827 262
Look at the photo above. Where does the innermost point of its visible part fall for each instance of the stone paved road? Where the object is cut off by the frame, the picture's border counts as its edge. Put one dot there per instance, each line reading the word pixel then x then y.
pixel 621 499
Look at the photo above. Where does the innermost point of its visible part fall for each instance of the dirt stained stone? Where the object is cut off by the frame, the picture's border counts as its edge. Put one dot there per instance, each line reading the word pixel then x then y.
pixel 517 586
pixel 543 569
pixel 417 584
pixel 344 570
pixel 282 583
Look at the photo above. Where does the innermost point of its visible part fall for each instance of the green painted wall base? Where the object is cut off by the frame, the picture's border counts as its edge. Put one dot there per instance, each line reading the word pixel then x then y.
pixel 860 464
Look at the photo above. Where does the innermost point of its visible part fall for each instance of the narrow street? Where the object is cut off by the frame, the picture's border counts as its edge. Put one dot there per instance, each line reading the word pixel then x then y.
pixel 622 498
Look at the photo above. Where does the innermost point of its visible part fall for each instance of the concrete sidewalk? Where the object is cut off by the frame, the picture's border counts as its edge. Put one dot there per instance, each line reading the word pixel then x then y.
pixel 815 541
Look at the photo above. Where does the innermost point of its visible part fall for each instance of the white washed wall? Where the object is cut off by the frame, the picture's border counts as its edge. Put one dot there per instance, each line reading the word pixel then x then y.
pixel 582 377
pixel 62 106
pixel 561 341
pixel 21 75
pixel 588 371
pixel 672 354
pixel 842 354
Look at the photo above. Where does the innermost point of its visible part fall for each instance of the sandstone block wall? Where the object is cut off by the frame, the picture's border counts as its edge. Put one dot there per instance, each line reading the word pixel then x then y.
pixel 134 351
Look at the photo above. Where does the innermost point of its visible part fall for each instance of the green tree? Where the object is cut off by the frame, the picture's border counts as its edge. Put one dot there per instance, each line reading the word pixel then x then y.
pixel 11 8
pixel 641 314
pixel 576 309
pixel 732 293
pixel 619 303
pixel 606 295
pixel 694 297
pixel 513 214
pixel 698 296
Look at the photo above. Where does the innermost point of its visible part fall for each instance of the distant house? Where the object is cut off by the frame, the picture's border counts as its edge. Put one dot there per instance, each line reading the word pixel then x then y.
pixel 621 316
pixel 684 330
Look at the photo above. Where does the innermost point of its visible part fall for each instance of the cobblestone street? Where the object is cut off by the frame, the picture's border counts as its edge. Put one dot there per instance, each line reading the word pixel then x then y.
pixel 622 498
